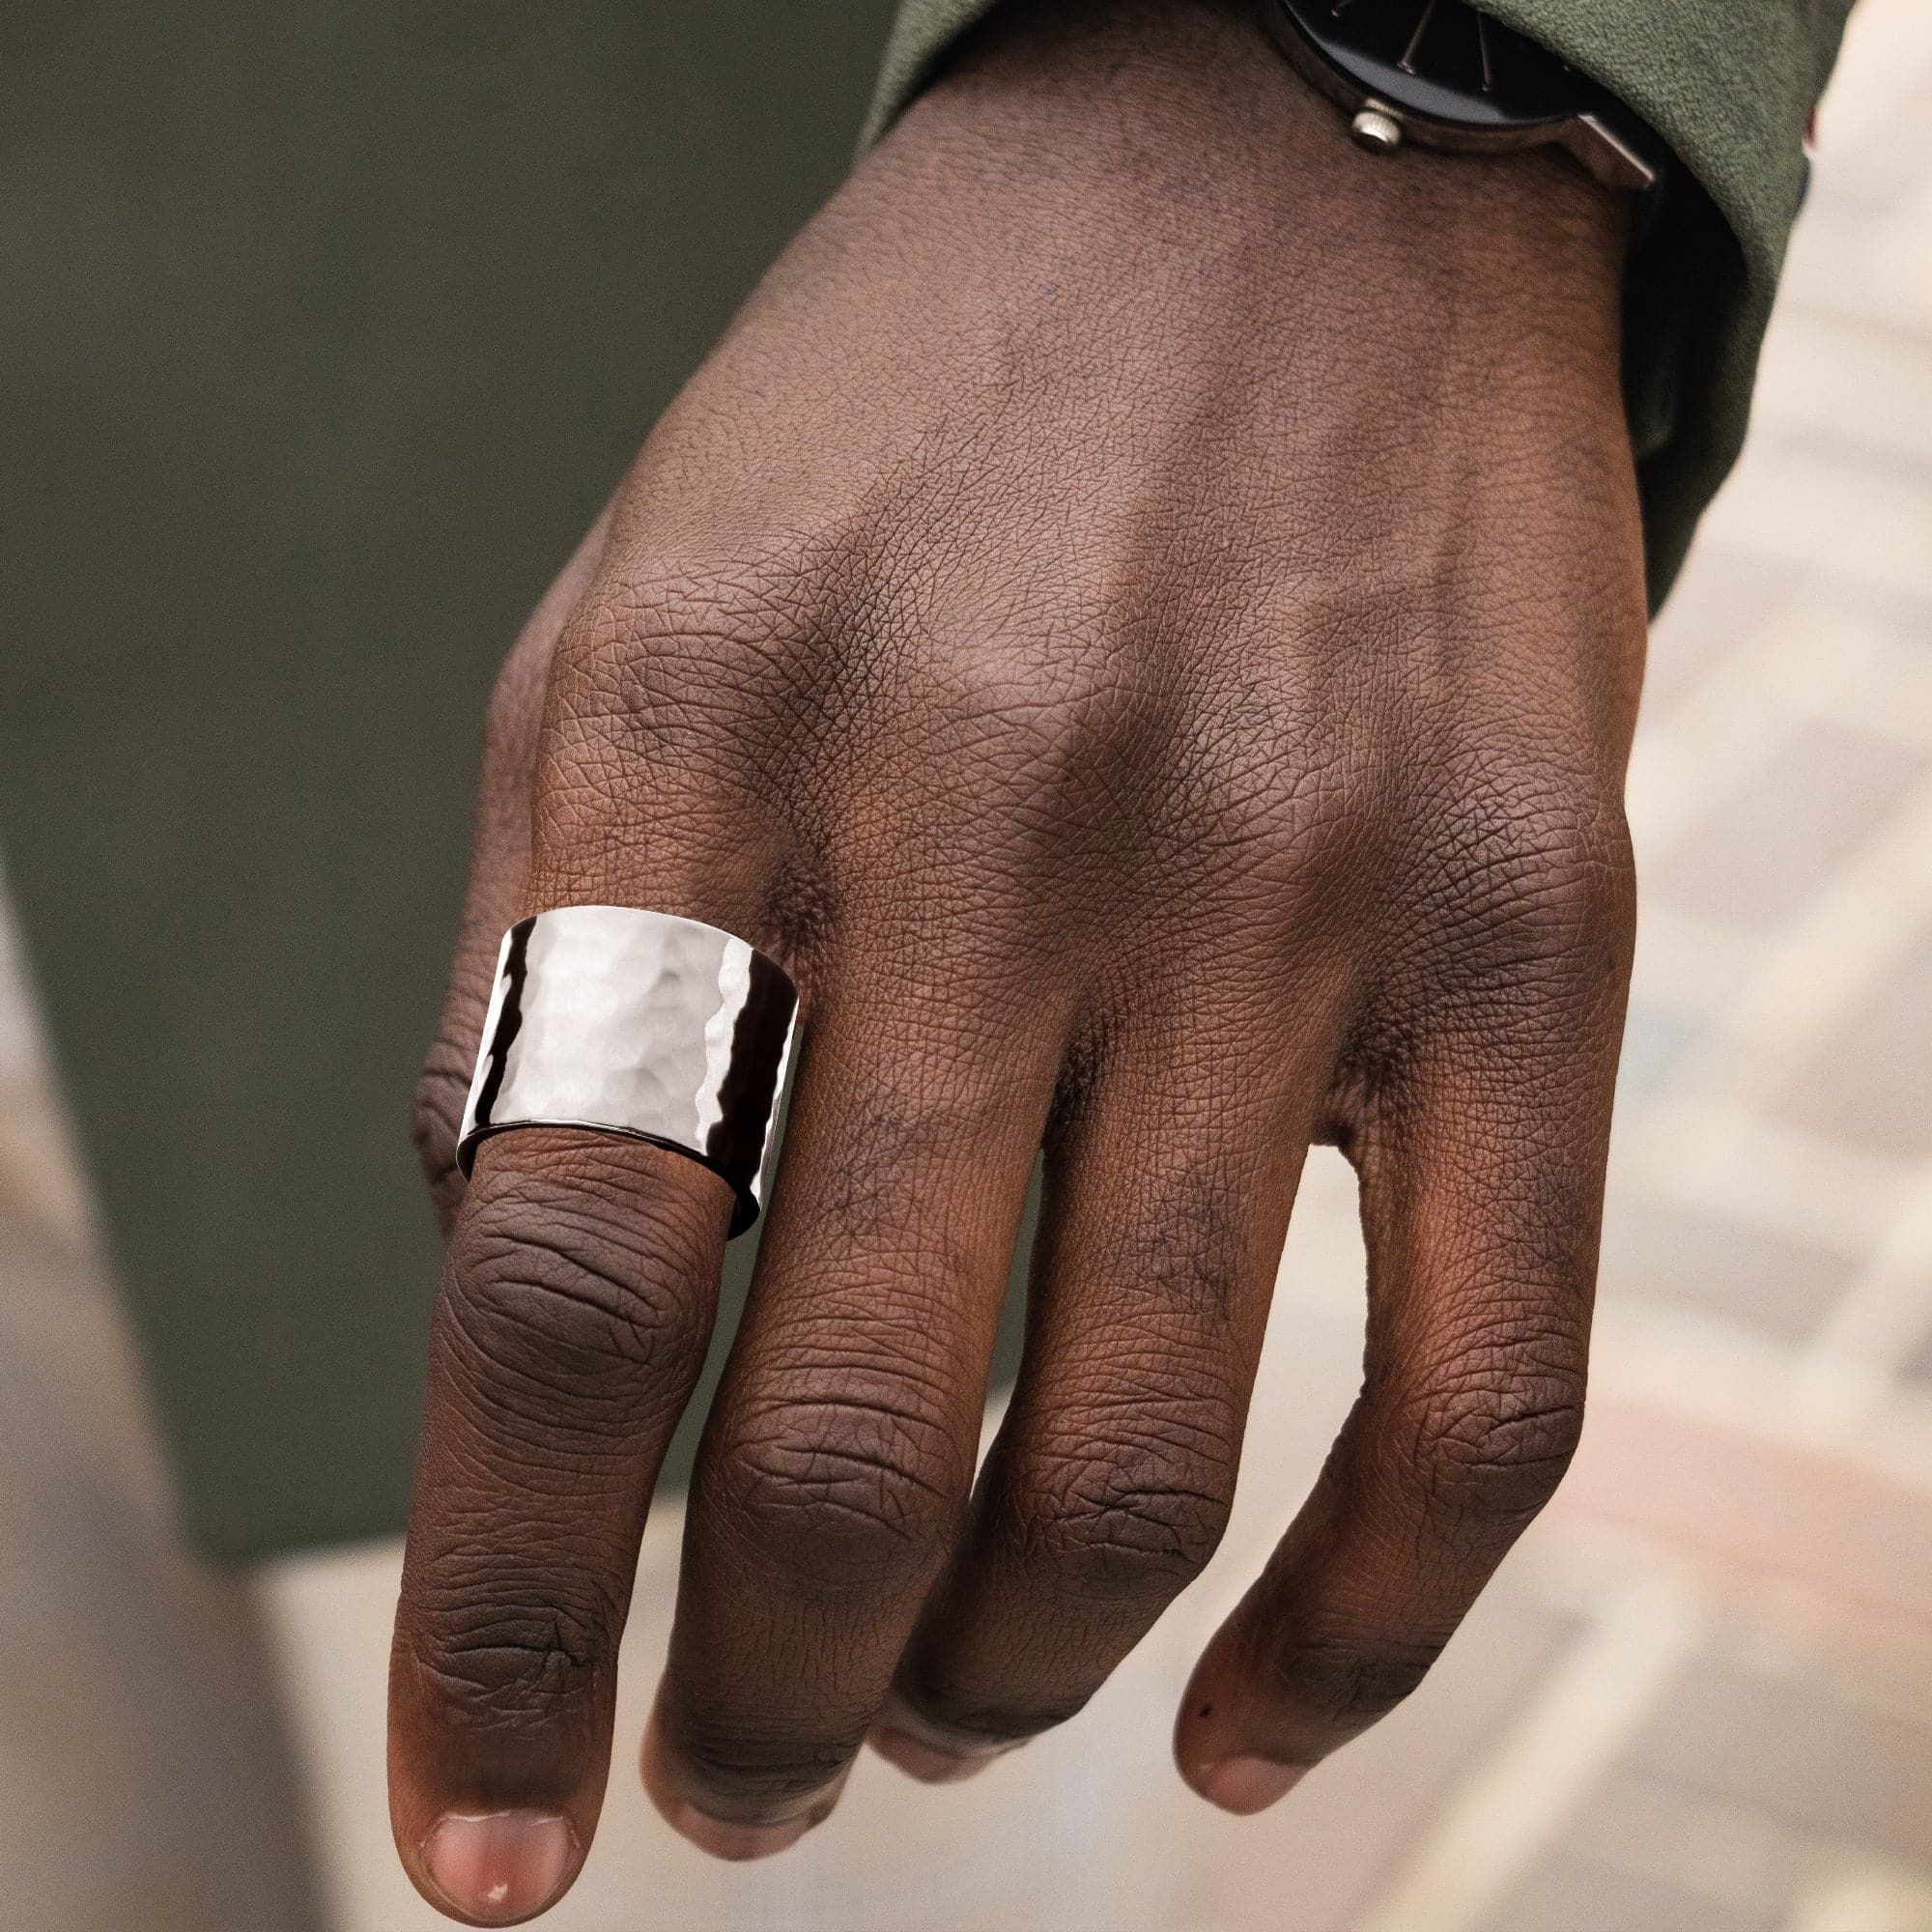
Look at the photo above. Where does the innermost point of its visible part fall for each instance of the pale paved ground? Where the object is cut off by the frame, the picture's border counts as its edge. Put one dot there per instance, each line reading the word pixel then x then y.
pixel 1699 1697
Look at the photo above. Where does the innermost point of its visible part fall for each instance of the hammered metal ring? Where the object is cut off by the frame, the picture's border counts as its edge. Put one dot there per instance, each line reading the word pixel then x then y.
pixel 641 1024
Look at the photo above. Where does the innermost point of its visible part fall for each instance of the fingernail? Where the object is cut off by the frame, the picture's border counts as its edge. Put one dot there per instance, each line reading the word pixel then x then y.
pixel 501 1867
pixel 922 1761
pixel 737 1842
pixel 1245 1785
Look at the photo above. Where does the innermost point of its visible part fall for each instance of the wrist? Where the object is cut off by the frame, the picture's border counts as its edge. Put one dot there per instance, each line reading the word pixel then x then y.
pixel 1177 128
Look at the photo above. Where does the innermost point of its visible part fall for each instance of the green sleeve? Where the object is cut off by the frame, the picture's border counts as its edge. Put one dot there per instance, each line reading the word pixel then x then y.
pixel 1729 84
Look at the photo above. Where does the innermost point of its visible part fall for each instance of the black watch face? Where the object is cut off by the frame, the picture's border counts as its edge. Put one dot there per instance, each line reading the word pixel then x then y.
pixel 1439 58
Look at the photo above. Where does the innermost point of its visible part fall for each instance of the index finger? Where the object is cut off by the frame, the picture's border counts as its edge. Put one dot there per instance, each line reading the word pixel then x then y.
pixel 570 1327
pixel 499 866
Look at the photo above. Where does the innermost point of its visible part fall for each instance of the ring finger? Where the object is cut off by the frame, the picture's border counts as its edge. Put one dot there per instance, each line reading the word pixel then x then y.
pixel 1168 1199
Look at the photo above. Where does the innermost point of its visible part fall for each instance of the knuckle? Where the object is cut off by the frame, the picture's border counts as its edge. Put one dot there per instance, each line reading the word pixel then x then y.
pixel 841 1492
pixel 671 642
pixel 497 1663
pixel 570 1306
pixel 1494 1448
pixel 1346 1681
pixel 1031 730
pixel 1539 868
pixel 1129 1526
pixel 1298 824
pixel 681 698
pixel 769 1770
pixel 1319 829
pixel 436 1116
pixel 968 1717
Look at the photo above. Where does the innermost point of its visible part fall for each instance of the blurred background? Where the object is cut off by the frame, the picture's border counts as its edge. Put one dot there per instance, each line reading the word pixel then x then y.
pixel 1699 1696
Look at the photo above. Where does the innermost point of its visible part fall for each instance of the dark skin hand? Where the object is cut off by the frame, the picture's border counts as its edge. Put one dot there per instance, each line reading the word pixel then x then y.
pixel 1143 615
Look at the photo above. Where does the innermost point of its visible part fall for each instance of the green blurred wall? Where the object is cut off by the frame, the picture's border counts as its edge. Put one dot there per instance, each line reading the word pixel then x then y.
pixel 325 329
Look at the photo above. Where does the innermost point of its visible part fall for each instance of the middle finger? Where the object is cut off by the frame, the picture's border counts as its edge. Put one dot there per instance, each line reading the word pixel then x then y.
pixel 838 1456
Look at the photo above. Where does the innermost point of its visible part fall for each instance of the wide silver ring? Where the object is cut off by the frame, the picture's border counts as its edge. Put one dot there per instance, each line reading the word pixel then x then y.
pixel 641 1024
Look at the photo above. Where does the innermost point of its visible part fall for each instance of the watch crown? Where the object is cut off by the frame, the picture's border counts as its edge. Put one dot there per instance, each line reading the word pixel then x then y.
pixel 1375 129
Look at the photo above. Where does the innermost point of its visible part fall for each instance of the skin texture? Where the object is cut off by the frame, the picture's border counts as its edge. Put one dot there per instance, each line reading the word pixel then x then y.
pixel 1143 615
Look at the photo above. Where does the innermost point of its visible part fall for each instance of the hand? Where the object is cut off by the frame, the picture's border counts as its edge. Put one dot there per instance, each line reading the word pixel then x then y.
pixel 1143 615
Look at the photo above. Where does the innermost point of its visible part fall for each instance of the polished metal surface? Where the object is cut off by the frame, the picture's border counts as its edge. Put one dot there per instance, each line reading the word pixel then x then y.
pixel 1377 130
pixel 636 1023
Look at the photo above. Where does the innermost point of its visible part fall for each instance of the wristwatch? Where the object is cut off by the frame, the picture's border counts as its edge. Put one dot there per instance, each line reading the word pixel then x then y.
pixel 1439 74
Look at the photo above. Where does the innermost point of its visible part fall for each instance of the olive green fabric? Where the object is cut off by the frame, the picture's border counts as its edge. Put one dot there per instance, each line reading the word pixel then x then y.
pixel 1729 84
pixel 326 329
